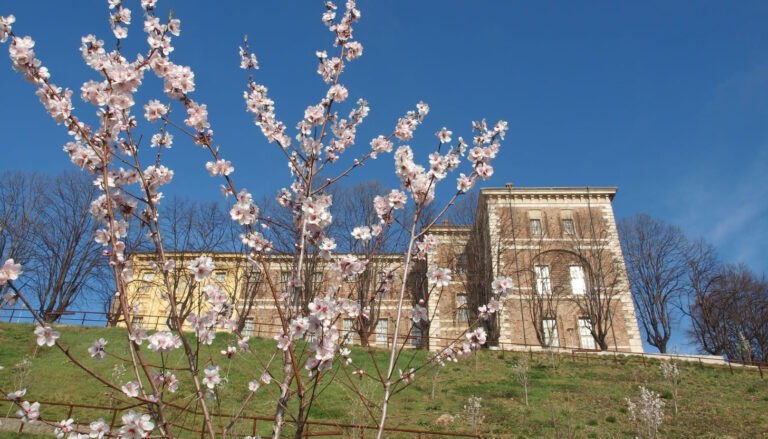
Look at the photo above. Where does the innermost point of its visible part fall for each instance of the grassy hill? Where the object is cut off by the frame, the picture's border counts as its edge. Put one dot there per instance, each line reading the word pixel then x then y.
pixel 568 396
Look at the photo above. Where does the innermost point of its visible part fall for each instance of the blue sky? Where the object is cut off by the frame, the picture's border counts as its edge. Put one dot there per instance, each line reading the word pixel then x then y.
pixel 666 100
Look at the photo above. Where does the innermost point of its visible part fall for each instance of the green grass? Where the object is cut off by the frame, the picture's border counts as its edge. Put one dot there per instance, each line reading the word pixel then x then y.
pixel 574 399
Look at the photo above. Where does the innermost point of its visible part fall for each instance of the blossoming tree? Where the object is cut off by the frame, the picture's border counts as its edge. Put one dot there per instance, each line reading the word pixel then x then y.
pixel 130 176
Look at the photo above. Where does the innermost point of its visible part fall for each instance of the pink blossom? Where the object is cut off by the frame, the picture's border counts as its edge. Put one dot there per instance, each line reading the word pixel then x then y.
pixel 96 350
pixel 419 313
pixel 245 210
pixel 407 376
pixel 502 285
pixel 338 93
pixel 484 170
pixel 64 427
pixel 212 378
pixel 9 271
pixel 162 140
pixel 327 246
pixel 422 108
pixel 464 183
pixel 163 342
pixel 256 241
pixel 349 265
pixel 444 135
pixel 354 50
pixel 440 277
pixel 5 27
pixel 46 336
pixel 220 167
pixel 99 429
pixel 283 342
pixel 380 144
pixel 134 424
pixel 28 413
pixel 17 395
pixel 248 60
pixel 493 305
pixel 198 116
pixel 201 267
pixel 362 233
pixel 476 338
pixel 131 389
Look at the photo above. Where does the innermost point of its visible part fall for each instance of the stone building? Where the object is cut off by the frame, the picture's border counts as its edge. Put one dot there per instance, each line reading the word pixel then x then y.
pixel 561 248
pixel 559 245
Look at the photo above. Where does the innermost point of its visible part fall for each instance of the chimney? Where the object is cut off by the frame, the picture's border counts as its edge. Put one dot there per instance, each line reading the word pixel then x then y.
pixel 509 185
pixel 446 222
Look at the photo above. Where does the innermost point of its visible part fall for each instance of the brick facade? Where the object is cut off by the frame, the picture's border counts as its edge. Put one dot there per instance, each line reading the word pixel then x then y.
pixel 559 245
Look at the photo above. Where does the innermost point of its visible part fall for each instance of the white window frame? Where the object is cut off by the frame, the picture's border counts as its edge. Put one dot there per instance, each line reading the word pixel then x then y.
pixel 585 335
pixel 416 334
pixel 551 336
pixel 382 332
pixel 462 311
pixel 536 226
pixel 285 281
pixel 578 282
pixel 569 228
pixel 249 324
pixel 543 280
pixel 220 276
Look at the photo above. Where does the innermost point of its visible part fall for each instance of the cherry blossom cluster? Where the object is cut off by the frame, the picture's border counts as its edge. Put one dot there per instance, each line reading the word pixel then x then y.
pixel 165 380
pixel 9 271
pixel 109 150
pixel 385 205
pixel 136 425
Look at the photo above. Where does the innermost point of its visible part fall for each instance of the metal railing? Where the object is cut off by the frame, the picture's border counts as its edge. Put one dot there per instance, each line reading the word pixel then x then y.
pixel 250 424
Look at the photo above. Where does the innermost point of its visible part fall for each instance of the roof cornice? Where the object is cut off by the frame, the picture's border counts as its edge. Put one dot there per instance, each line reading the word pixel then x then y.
pixel 551 192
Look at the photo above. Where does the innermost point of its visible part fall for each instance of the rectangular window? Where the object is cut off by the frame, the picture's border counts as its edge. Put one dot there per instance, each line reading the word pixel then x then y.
pixel 568 228
pixel 551 339
pixel 147 277
pixel 585 333
pixel 317 277
pixel 220 276
pixel 382 331
pixel 578 286
pixel 137 322
pixel 285 282
pixel 348 331
pixel 543 281
pixel 248 326
pixel 461 263
pixel 416 334
pixel 254 277
pixel 462 314
pixel 536 229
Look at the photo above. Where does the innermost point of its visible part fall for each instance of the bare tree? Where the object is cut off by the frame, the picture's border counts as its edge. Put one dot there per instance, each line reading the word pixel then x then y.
pixel 730 315
pixel 65 262
pixel 20 205
pixel 703 270
pixel 656 254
